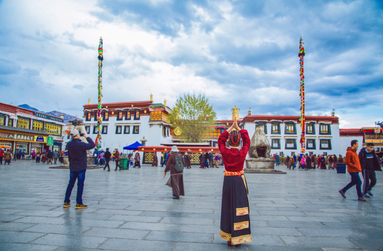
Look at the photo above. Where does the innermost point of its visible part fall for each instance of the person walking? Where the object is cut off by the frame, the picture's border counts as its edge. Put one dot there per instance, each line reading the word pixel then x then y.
pixel 207 159
pixel 303 161
pixel 277 159
pixel 369 162
pixel 288 162
pixel 34 154
pixel 187 161
pixel 107 156
pixel 308 162
pixel 77 166
pixel 55 156
pixel 323 162
pixel 330 163
pixel 102 160
pixel 313 161
pixel 235 219
pixel 155 159
pixel 175 165
pixel 217 159
pixel 137 160
pixel 38 157
pixel 50 157
pixel 1 156
pixel 211 159
pixel 295 161
pixel 7 157
pixel 117 158
pixel 353 168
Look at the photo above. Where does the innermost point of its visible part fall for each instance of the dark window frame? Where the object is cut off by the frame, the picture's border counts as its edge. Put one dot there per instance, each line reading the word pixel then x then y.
pixel 314 144
pixel 313 125
pixel 102 129
pixel 88 116
pixel 104 114
pixel 279 144
pixel 324 133
pixel 95 115
pixel 127 132
pixel 127 112
pixel 135 114
pixel 134 129
pixel 95 130
pixel 329 144
pixel 87 129
pixel 118 115
pixel 295 144
pixel 295 128
pixel 279 128
pixel 117 129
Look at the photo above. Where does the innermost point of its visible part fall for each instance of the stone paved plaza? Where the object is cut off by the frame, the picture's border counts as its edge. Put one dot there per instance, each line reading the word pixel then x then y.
pixel 134 210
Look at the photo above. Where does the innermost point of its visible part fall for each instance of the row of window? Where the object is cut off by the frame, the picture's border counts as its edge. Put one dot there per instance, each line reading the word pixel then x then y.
pixel 290 128
pixel 37 125
pixel 324 144
pixel 128 114
pixel 104 129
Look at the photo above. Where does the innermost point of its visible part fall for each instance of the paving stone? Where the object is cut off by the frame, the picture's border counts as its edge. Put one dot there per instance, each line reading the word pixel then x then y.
pixel 18 237
pixel 57 229
pixel 336 242
pixel 116 233
pixel 179 236
pixel 274 248
pixel 180 246
pixel 43 220
pixel 151 226
pixel 14 226
pixel 135 218
pixel 133 245
pixel 29 247
pixel 70 240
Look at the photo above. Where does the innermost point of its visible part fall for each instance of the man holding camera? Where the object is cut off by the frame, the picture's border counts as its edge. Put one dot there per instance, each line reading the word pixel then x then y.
pixel 77 164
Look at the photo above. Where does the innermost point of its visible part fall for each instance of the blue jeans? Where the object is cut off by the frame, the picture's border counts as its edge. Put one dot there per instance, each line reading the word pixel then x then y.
pixel 355 180
pixel 80 176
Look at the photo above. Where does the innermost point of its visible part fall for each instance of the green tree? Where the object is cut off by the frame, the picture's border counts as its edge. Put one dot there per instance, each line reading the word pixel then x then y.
pixel 194 116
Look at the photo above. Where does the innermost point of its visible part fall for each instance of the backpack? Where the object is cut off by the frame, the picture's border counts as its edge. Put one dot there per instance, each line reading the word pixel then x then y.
pixel 179 166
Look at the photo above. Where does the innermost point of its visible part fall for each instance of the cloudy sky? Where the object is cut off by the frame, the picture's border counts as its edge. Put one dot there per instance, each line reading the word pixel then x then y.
pixel 236 52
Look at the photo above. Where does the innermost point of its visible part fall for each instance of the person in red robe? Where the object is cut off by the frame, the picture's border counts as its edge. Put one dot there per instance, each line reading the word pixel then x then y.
pixel 155 159
pixel 235 219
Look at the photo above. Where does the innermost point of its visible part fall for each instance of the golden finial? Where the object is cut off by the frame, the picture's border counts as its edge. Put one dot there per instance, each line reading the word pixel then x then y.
pixel 151 97
pixel 165 102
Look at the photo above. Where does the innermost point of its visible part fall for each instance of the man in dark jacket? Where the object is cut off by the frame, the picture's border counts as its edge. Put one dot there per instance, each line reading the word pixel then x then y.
pixel 107 156
pixel 77 164
pixel 370 163
pixel 50 157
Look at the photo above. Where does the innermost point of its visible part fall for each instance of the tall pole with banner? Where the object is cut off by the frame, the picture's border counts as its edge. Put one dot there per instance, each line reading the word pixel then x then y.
pixel 301 54
pixel 99 106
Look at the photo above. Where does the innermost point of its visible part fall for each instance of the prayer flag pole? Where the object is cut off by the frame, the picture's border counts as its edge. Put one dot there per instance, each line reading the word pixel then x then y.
pixel 99 107
pixel 301 54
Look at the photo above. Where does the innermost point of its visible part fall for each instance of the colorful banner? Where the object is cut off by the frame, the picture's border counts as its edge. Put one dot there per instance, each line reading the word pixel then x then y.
pixel 301 54
pixel 100 59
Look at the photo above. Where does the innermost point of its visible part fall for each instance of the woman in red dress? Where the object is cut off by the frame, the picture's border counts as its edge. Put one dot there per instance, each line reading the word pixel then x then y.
pixel 235 220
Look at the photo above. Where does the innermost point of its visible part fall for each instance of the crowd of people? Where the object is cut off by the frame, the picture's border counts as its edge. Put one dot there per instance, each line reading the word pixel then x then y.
pixel 49 157
pixel 307 162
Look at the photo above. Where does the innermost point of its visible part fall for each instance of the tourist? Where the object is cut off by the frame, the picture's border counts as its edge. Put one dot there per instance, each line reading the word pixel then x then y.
pixel 303 161
pixel 276 159
pixel 34 154
pixel 175 165
pixel 353 168
pixel 340 159
pixel 7 157
pixel 235 219
pixel 207 157
pixel 55 156
pixel 77 165
pixel 114 156
pixel 323 162
pixel 308 162
pixel 155 160
pixel 117 158
pixel 288 163
pixel 187 161
pixel 369 163
pixel 137 160
pixel 319 160
pixel 50 157
pixel 299 161
pixel 61 157
pixel 202 160
pixel 217 159
pixel 313 161
pixel 295 161
pixel 330 162
pixel 101 156
pixel 211 159
pixel 38 157
pixel 95 155
pixel 1 156
pixel 107 156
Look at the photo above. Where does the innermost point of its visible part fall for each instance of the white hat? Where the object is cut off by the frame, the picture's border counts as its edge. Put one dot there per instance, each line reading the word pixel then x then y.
pixel 174 149
pixel 74 132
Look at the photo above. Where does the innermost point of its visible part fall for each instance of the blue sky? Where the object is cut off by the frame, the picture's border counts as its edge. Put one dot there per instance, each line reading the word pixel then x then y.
pixel 235 52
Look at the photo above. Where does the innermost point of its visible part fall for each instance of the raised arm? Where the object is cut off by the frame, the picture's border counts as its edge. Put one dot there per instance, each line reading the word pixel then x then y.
pixel 222 141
